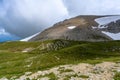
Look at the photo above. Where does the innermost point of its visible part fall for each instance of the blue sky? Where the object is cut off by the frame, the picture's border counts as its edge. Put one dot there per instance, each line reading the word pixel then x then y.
pixel 5 36
pixel 26 17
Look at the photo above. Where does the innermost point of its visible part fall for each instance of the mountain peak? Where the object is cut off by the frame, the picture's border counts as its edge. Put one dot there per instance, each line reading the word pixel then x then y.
pixel 83 28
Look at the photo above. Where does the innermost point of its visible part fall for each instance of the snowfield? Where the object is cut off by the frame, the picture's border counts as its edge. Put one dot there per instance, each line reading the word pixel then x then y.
pixel 106 20
pixel 114 36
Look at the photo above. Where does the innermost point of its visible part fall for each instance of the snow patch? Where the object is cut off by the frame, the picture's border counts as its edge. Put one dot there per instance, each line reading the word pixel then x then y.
pixel 101 27
pixel 115 36
pixel 28 38
pixel 71 27
pixel 106 20
pixel 94 27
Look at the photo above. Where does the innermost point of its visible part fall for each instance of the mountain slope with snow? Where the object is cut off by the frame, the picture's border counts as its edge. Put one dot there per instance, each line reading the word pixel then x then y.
pixel 110 26
pixel 83 28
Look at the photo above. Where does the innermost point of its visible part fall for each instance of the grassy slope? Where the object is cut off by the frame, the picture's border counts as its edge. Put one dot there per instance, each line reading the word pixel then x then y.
pixel 13 62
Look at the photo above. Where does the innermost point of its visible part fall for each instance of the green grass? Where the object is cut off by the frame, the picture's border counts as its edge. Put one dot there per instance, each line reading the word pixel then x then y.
pixel 13 62
pixel 62 70
pixel 51 76
pixel 84 76
pixel 117 76
pixel 68 77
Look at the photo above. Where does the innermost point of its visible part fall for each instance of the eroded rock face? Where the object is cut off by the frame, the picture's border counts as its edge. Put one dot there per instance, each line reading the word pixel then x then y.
pixel 81 29
pixel 113 27
pixel 56 45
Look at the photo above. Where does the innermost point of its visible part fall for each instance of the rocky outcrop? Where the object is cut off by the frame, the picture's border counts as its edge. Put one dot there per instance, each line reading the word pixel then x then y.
pixel 113 27
pixel 54 45
pixel 82 71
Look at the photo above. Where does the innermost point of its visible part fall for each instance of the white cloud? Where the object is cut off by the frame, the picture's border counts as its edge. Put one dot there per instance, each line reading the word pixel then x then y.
pixel 26 17
pixel 5 36
pixel 96 7
pixel 3 32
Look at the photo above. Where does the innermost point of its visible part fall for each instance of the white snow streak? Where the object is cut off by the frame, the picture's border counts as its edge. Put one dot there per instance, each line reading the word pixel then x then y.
pixel 114 36
pixel 28 38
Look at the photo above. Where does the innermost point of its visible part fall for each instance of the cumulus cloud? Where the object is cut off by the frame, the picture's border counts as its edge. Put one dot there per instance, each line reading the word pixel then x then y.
pixel 3 32
pixel 26 17
pixel 5 36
